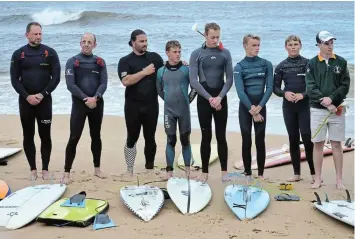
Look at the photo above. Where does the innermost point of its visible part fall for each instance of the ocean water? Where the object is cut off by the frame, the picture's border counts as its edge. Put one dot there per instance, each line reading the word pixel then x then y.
pixel 112 22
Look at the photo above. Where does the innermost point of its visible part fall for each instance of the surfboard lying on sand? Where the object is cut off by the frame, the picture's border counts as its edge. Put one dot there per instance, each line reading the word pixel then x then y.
pixel 22 206
pixel 189 196
pixel 246 202
pixel 145 201
pixel 7 152
pixel 196 156
pixel 342 210
pixel 285 158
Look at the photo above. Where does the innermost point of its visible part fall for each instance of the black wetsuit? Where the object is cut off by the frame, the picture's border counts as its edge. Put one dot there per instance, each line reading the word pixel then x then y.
pixel 86 76
pixel 208 66
pixel 35 70
pixel 296 115
pixel 141 105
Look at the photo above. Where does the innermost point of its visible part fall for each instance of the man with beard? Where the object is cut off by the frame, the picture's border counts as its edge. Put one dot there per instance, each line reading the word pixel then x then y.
pixel 35 73
pixel 86 78
pixel 138 73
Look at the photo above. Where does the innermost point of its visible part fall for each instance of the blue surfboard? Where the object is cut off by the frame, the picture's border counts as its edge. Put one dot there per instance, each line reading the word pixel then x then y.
pixel 246 202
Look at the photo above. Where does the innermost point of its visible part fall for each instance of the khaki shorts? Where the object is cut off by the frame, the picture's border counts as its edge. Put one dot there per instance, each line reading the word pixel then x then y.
pixel 335 125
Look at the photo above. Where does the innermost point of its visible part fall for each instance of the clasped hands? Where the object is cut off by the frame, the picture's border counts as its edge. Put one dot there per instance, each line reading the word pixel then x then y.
pixel 255 112
pixel 327 102
pixel 293 97
pixel 34 99
pixel 90 102
pixel 215 102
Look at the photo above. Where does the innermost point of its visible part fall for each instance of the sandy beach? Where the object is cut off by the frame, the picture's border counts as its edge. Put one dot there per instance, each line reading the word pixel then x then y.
pixel 280 219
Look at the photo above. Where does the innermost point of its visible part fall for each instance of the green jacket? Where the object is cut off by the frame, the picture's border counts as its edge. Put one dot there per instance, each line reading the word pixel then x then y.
pixel 332 80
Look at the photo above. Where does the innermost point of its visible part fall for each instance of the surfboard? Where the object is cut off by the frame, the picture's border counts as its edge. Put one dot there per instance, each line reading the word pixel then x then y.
pixel 145 201
pixel 7 152
pixel 196 156
pixel 4 190
pixel 22 206
pixel 246 202
pixel 342 210
pixel 73 216
pixel 189 196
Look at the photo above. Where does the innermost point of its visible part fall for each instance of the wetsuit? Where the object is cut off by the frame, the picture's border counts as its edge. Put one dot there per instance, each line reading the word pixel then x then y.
pixel 172 86
pixel 253 78
pixel 210 65
pixel 141 106
pixel 86 76
pixel 292 72
pixel 35 70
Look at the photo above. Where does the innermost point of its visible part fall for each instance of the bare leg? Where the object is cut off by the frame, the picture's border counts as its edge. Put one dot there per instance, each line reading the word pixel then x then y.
pixel 318 160
pixel 338 163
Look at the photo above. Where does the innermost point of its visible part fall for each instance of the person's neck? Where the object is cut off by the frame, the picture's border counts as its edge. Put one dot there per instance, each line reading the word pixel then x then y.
pixel 208 46
pixel 250 55
pixel 86 54
pixel 138 53
pixel 172 63
pixel 33 45
pixel 290 56
pixel 325 55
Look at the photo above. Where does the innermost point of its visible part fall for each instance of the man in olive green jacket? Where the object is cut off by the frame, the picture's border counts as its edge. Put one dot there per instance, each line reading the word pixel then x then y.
pixel 327 83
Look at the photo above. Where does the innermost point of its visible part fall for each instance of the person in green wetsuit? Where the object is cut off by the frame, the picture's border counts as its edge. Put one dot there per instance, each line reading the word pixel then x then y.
pixel 172 86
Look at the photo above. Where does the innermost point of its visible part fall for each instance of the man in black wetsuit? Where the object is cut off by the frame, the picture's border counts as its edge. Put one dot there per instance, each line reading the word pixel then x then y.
pixel 86 78
pixel 35 73
pixel 295 107
pixel 209 65
pixel 138 73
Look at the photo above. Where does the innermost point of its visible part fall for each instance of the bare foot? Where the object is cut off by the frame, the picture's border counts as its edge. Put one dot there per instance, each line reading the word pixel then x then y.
pixel 99 174
pixel 317 184
pixel 262 178
pixel 45 175
pixel 295 178
pixel 33 175
pixel 340 185
pixel 66 179
pixel 126 174
pixel 168 175
pixel 203 178
pixel 225 177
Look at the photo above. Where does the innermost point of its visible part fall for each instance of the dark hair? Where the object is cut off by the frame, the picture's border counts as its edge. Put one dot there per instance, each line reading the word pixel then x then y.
pixel 292 38
pixel 29 25
pixel 172 44
pixel 134 35
pixel 213 26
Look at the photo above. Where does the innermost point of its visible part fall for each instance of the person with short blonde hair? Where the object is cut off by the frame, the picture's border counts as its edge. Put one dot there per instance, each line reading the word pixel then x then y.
pixel 295 106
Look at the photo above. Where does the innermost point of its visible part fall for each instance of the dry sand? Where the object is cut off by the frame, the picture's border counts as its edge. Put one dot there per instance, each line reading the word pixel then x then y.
pixel 280 219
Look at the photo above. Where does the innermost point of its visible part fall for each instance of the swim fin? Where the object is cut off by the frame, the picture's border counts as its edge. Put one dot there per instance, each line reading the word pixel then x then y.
pixel 102 221
pixel 77 200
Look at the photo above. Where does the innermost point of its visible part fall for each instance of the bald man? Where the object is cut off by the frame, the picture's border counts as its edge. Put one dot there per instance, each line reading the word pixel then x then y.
pixel 86 79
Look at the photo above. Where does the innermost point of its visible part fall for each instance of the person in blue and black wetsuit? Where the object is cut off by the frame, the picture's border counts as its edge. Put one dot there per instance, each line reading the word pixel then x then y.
pixel 253 78
pixel 208 66
pixel 295 106
pixel 172 86
pixel 35 74
pixel 86 79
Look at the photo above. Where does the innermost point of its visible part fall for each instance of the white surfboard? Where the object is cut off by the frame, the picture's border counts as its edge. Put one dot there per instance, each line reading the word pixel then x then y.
pixel 193 202
pixel 22 206
pixel 6 152
pixel 145 201
pixel 196 156
pixel 342 210
pixel 246 202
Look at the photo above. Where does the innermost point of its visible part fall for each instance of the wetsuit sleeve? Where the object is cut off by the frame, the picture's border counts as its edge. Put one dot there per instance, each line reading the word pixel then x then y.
pixel 239 85
pixel 268 86
pixel 15 73
pixel 103 80
pixel 160 62
pixel 192 95
pixel 123 69
pixel 229 76
pixel 54 81
pixel 193 74
pixel 312 88
pixel 278 75
pixel 343 89
pixel 159 83
pixel 70 80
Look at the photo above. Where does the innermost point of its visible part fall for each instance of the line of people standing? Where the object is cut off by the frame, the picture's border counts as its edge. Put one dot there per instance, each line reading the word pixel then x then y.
pixel 312 88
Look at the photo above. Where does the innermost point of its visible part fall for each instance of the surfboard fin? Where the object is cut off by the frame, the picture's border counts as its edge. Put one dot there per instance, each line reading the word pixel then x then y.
pixel 77 200
pixel 102 221
pixel 348 198
pixel 318 198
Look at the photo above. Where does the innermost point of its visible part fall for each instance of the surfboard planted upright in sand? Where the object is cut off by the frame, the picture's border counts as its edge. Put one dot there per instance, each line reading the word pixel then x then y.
pixel 189 196
pixel 145 201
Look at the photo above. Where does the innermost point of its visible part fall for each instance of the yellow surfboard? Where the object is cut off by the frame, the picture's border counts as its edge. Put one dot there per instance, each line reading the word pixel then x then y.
pixel 196 156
